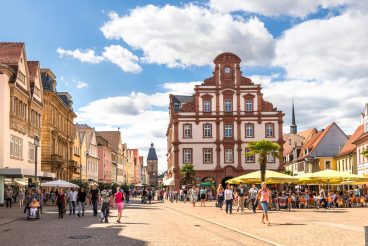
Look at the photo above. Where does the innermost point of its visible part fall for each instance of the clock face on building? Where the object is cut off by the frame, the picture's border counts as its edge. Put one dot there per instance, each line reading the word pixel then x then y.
pixel 227 70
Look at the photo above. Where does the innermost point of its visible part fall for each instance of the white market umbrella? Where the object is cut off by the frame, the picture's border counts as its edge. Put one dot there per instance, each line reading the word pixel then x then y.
pixel 59 183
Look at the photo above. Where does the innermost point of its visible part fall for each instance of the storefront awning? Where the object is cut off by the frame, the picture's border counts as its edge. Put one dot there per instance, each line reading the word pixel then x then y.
pixel 23 172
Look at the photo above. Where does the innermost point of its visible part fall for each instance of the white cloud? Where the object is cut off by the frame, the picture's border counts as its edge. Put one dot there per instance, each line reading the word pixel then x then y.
pixel 295 8
pixel 143 118
pixel 326 49
pixel 190 35
pixel 80 84
pixel 122 57
pixel 318 103
pixel 88 55
pixel 116 54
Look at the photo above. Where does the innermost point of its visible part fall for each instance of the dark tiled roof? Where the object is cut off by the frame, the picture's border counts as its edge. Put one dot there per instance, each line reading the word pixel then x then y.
pixel 349 147
pixel 179 100
pixel 152 156
pixel 10 52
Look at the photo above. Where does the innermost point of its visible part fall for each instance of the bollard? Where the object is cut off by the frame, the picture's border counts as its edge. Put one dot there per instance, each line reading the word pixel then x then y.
pixel 366 235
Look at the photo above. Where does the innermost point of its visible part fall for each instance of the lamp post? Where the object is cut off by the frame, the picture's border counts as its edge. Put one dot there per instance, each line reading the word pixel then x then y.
pixel 36 144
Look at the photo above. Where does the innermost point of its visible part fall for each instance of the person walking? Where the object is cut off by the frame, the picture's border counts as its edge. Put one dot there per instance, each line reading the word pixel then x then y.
pixel 81 201
pixel 9 196
pixel 241 198
pixel 21 197
pixel 94 197
pixel 264 195
pixel 322 198
pixel 105 205
pixel 202 194
pixel 193 195
pixel 60 202
pixel 220 196
pixel 119 202
pixel 72 199
pixel 52 196
pixel 253 197
pixel 229 196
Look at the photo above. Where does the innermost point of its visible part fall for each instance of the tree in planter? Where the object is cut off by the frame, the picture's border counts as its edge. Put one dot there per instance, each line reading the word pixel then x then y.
pixel 263 148
pixel 186 172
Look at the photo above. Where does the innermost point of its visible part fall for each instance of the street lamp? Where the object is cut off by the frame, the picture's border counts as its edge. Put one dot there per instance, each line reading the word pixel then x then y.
pixel 36 144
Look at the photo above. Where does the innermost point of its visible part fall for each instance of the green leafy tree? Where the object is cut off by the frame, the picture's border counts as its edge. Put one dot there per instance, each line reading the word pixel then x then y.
pixel 186 172
pixel 263 148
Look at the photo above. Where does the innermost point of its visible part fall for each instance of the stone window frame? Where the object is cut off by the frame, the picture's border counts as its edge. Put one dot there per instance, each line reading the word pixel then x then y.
pixel 191 130
pixel 273 130
pixel 204 131
pixel 191 155
pixel 204 155
pixel 246 133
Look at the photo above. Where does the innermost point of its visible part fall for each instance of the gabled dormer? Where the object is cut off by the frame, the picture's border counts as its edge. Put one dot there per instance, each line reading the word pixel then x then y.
pixel 36 89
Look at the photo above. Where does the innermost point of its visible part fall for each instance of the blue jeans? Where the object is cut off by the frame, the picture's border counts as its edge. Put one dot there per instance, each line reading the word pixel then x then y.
pixel 105 209
pixel 71 207
pixel 254 204
pixel 264 206
pixel 229 206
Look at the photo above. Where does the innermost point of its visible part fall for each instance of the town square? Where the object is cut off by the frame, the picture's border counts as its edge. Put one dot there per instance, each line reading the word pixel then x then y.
pixel 184 123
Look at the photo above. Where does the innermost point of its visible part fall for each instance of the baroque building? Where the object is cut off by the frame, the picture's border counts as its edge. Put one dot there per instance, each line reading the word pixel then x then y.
pixel 211 128
pixel 57 130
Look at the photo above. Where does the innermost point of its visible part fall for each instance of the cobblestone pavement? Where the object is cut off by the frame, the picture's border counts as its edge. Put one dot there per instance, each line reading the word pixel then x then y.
pixel 153 224
pixel 339 226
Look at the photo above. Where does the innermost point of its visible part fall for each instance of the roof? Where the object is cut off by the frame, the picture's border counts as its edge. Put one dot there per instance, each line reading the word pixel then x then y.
pixel 152 156
pixel 179 100
pixel 288 148
pixel 10 52
pixel 113 137
pixel 32 69
pixel 85 131
pixel 349 147
pixel 314 141
pixel 308 134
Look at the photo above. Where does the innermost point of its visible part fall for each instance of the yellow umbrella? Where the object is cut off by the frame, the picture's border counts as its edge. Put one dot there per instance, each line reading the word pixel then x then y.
pixel 271 177
pixel 329 176
pixel 233 181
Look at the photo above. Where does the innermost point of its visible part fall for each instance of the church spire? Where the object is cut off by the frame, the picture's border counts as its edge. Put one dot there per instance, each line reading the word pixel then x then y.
pixel 293 126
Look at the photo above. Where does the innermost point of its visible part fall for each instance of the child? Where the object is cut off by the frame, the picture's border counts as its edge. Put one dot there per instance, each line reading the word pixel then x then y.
pixel 330 201
pixel 33 207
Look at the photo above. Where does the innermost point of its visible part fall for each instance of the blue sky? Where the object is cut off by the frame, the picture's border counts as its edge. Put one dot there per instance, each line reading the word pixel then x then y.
pixel 140 51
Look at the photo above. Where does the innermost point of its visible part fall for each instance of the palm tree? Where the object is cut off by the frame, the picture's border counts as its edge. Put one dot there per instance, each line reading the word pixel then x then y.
pixel 187 171
pixel 365 153
pixel 263 148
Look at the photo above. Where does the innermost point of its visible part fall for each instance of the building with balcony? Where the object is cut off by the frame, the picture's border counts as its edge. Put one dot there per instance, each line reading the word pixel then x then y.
pixel 57 129
pixel 21 109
